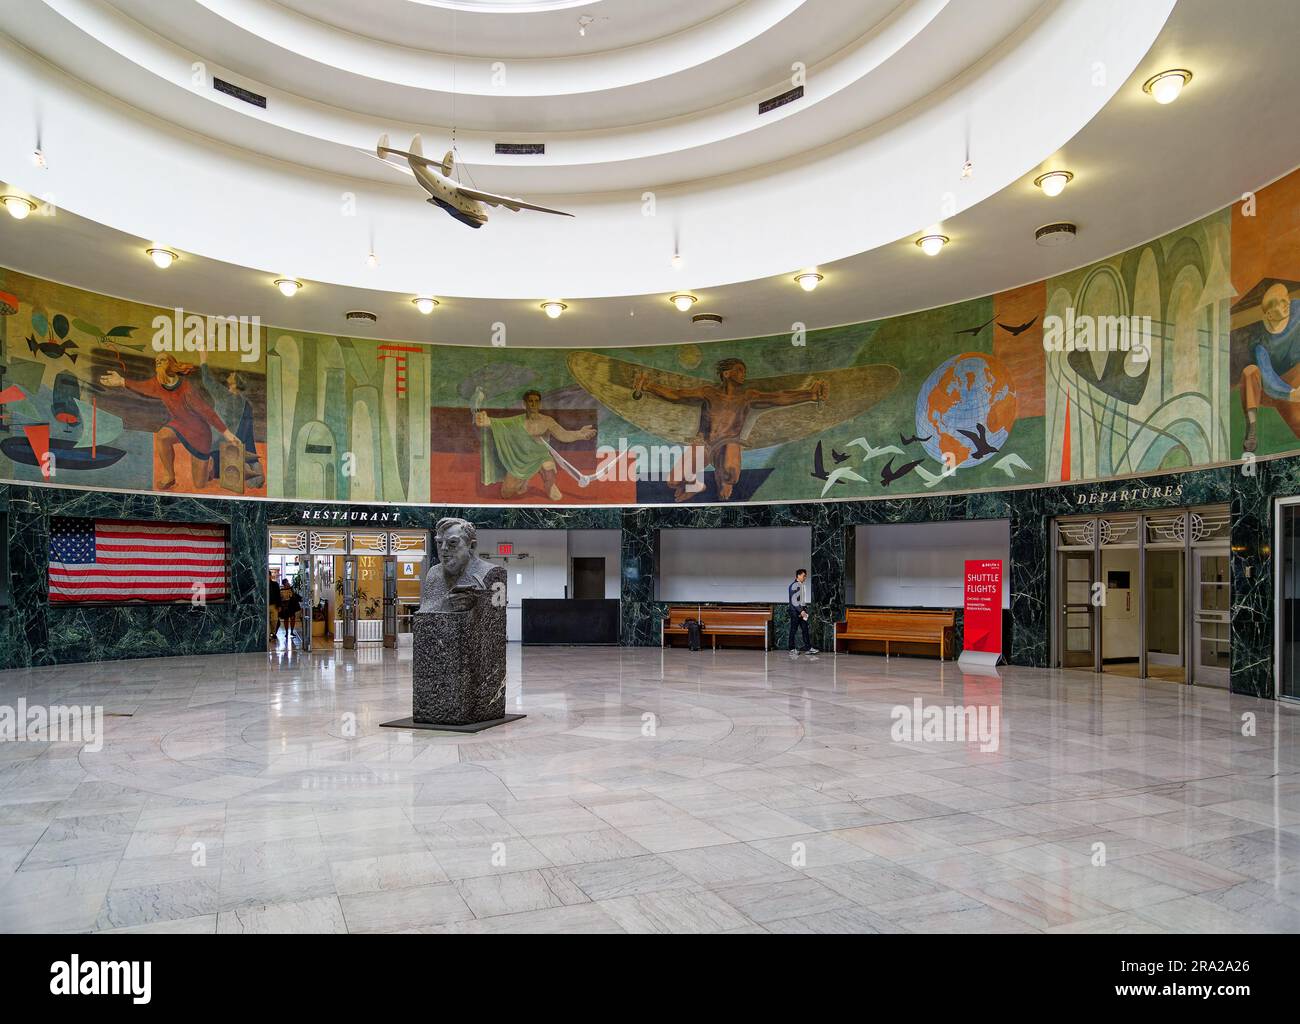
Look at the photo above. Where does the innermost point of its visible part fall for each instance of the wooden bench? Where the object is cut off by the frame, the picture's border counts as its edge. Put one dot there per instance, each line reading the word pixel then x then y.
pixel 752 623
pixel 898 629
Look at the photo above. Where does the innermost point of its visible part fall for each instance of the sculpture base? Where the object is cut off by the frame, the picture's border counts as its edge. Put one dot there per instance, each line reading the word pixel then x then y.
pixel 411 723
pixel 458 666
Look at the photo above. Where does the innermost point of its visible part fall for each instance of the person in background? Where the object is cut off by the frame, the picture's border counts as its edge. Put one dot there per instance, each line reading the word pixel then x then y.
pixel 799 615
pixel 290 605
pixel 273 605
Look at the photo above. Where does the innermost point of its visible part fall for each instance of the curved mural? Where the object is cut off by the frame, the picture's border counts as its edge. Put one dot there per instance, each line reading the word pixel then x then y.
pixel 1179 353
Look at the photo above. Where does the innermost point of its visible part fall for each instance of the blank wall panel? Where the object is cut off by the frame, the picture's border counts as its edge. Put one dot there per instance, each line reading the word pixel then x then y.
pixel 754 565
pixel 920 565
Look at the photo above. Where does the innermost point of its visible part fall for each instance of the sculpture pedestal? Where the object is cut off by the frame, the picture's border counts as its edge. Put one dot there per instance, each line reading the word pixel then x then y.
pixel 458 669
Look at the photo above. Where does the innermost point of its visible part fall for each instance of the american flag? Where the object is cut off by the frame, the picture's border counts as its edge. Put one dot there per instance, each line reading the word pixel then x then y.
pixel 121 560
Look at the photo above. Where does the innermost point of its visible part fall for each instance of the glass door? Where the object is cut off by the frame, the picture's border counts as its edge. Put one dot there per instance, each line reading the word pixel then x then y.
pixel 1078 624
pixel 1211 645
pixel 306 598
pixel 348 605
pixel 390 602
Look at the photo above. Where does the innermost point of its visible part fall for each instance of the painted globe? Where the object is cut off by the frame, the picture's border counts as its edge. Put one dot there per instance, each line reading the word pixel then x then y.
pixel 965 409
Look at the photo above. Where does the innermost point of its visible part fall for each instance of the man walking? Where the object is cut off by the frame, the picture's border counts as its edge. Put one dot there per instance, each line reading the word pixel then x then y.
pixel 799 615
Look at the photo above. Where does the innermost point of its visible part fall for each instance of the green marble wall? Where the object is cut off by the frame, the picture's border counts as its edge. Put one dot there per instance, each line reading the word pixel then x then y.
pixel 34 633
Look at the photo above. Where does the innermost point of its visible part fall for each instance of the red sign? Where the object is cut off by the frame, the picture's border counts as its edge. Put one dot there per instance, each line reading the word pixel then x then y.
pixel 505 548
pixel 983 621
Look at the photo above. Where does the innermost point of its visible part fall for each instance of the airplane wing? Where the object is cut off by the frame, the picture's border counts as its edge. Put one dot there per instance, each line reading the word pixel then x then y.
pixel 388 163
pixel 507 201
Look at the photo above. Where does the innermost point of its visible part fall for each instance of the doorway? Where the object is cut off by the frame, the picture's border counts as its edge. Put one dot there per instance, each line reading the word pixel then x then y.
pixel 1144 595
pixel 1286 560
pixel 589 579
pixel 354 587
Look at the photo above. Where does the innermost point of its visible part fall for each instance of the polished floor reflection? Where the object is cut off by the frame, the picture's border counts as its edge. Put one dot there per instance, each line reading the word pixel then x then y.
pixel 649 791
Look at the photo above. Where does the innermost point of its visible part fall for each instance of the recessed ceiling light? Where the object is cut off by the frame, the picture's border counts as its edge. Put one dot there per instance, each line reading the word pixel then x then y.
pixel 18 206
pixel 554 309
pixel 425 305
pixel 1053 182
pixel 932 245
pixel 1168 85
pixel 809 280
pixel 288 286
pixel 706 319
pixel 162 258
pixel 683 301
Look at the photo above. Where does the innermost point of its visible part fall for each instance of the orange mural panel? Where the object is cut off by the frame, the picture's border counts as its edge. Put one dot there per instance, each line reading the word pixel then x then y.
pixel 1021 309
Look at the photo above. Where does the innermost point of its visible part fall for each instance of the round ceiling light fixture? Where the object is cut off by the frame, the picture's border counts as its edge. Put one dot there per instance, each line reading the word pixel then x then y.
pixel 932 245
pixel 683 301
pixel 289 287
pixel 809 280
pixel 706 319
pixel 1052 236
pixel 1053 182
pixel 18 206
pixel 1167 86
pixel 553 309
pixel 425 304
pixel 162 258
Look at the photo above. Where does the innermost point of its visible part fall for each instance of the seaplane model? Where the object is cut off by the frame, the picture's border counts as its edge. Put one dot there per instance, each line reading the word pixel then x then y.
pixel 464 204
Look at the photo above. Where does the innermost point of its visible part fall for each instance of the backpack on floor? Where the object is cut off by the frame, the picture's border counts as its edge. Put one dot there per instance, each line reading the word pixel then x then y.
pixel 692 634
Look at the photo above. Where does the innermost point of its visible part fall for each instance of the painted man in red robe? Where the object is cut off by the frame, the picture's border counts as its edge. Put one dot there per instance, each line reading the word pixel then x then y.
pixel 191 419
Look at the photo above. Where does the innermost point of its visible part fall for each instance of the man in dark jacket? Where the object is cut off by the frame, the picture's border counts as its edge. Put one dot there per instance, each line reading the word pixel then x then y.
pixel 799 615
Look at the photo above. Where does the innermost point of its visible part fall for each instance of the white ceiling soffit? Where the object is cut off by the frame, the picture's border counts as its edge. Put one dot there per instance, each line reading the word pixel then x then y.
pixel 219 178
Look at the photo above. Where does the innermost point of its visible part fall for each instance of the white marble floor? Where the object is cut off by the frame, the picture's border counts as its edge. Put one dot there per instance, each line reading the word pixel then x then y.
pixel 646 791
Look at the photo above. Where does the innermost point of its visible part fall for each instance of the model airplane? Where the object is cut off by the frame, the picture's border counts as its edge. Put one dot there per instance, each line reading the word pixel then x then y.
pixel 464 204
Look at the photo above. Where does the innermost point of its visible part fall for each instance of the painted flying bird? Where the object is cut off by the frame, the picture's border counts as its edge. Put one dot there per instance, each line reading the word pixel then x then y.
pixel 913 439
pixel 980 438
pixel 819 464
pixel 463 204
pixel 1010 463
pixel 840 475
pixel 972 331
pixel 933 478
pixel 888 474
pixel 839 456
pixel 53 349
pixel 1018 330
pixel 865 445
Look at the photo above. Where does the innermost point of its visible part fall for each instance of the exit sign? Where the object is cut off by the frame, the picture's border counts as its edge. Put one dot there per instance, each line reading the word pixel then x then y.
pixel 505 549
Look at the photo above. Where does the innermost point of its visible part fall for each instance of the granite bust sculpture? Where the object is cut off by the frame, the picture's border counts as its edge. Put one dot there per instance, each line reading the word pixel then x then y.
pixel 461 579
pixel 459 643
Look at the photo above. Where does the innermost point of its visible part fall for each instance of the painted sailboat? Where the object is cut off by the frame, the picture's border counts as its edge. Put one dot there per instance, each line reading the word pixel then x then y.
pixel 59 421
